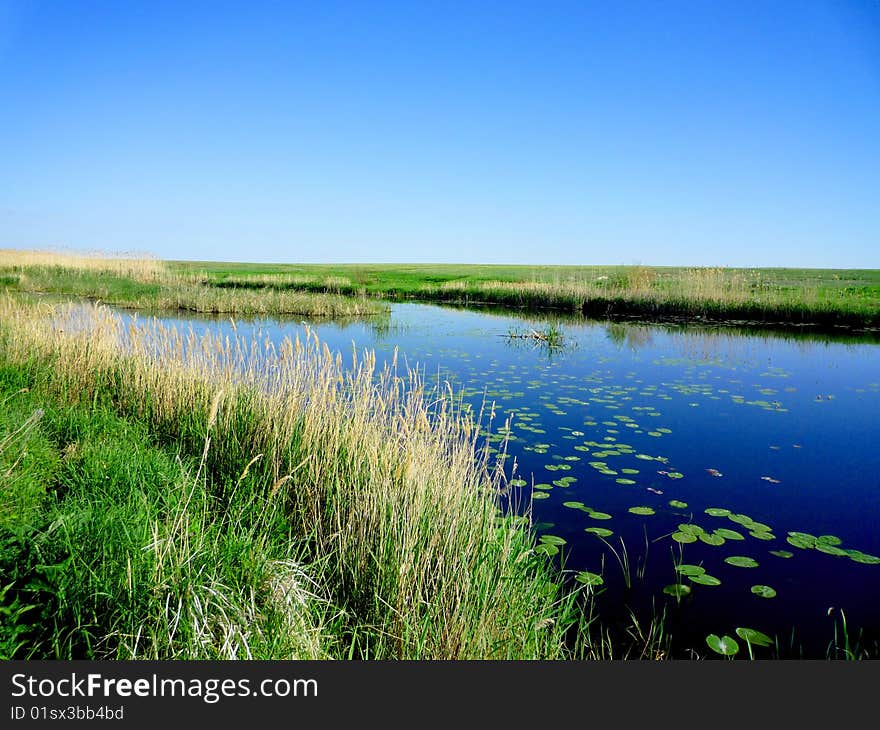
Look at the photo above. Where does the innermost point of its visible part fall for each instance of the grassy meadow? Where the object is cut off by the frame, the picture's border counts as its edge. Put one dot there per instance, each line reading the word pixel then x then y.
pixel 848 298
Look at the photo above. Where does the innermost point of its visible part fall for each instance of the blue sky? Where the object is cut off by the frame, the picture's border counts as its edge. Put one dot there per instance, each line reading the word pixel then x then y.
pixel 681 133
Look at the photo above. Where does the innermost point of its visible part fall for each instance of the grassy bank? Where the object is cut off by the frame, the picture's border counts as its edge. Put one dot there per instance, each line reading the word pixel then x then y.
pixel 244 501
pixel 799 296
pixel 146 283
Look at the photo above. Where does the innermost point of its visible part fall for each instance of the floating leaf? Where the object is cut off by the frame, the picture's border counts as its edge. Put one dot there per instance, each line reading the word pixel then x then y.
pixel 728 534
pixel 624 481
pixel 677 504
pixel 764 591
pixel 717 512
pixel 518 482
pixel 675 475
pixel 576 505
pixel 600 515
pixel 589 579
pixel 630 471
pixel 740 519
pixel 543 486
pixel 690 528
pixel 711 539
pixel 540 495
pixel 829 540
pixel 705 580
pixel 677 589
pixel 724 645
pixel 759 527
pixel 782 553
pixel 801 540
pixel 830 549
pixel 754 637
pixel 546 549
pixel 861 557
pixel 552 540
pixel 689 570
pixel 763 535
pixel 642 510
pixel 600 531
pixel 741 561
pixel 684 537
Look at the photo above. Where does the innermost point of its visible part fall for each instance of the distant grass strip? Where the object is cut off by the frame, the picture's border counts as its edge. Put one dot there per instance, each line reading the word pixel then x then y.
pixel 168 496
pixel 796 296
pixel 147 284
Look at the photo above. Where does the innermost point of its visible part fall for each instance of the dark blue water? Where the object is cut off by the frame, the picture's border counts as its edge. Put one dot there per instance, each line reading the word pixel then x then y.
pixel 788 424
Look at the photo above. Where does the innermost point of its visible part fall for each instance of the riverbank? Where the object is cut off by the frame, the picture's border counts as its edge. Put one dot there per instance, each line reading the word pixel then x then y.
pixel 244 502
pixel 849 298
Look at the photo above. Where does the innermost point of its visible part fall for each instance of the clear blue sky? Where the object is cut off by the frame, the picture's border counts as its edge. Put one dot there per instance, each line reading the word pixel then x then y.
pixel 681 133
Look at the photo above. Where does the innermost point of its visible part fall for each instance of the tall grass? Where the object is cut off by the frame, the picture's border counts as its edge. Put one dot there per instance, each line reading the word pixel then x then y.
pixel 147 283
pixel 374 472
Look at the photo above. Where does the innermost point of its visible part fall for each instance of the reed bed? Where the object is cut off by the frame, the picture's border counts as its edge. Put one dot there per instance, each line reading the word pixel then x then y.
pixel 393 546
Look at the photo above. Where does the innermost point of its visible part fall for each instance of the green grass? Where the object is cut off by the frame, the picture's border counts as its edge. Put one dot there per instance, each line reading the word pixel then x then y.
pixel 820 296
pixel 198 511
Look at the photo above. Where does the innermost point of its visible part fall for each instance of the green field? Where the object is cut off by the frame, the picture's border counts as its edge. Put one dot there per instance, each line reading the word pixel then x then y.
pixel 849 297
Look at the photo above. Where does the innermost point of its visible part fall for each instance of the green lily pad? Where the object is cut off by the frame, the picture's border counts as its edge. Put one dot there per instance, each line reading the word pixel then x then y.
pixel 677 589
pixel 675 475
pixel 740 519
pixel 782 553
pixel 741 561
pixel 764 591
pixel 763 535
pixel 717 511
pixel 677 504
pixel 629 471
pixel 600 531
pixel 689 570
pixel 728 534
pixel 831 550
pixel 589 579
pixel 543 486
pixel 690 528
pixel 575 505
pixel 861 557
pixel 642 511
pixel 540 495
pixel 760 527
pixel 705 580
pixel 624 481
pixel 829 540
pixel 724 645
pixel 754 637
pixel 552 540
pixel 546 549
pixel 801 540
pixel 711 539
pixel 518 482
pixel 684 537
pixel 600 515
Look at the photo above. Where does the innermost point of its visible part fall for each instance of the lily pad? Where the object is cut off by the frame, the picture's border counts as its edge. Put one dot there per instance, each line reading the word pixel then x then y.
pixel 741 561
pixel 684 537
pixel 861 557
pixel 600 531
pixel 740 519
pixel 690 570
pixel 518 482
pixel 830 549
pixel 762 535
pixel 540 495
pixel 754 637
pixel 705 580
pixel 764 591
pixel 575 505
pixel 546 549
pixel 829 540
pixel 782 553
pixel 690 528
pixel 728 534
pixel 600 515
pixel 629 471
pixel 675 475
pixel 711 539
pixel 589 579
pixel 552 540
pixel 543 486
pixel 801 540
pixel 642 511
pixel 677 589
pixel 717 512
pixel 724 645
pixel 677 504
